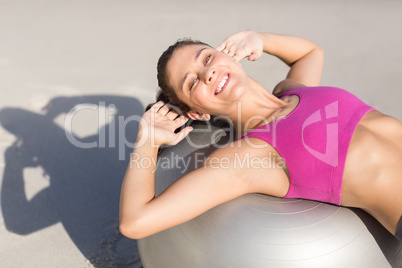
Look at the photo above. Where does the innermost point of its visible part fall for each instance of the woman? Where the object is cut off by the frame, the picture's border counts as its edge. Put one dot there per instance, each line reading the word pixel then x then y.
pixel 353 160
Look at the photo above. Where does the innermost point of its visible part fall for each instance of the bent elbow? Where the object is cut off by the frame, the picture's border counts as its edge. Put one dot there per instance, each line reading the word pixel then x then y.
pixel 321 51
pixel 319 54
pixel 131 229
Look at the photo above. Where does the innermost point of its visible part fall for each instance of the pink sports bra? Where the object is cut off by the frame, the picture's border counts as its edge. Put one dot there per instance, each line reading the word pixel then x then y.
pixel 314 139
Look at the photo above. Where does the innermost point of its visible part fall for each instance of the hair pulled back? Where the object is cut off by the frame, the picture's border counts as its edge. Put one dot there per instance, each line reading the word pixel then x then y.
pixel 166 92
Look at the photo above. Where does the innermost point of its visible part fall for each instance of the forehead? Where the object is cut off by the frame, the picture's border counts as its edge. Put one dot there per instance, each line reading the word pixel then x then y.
pixel 182 62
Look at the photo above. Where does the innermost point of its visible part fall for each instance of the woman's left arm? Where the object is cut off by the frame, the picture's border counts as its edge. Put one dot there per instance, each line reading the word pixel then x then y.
pixel 221 179
pixel 305 58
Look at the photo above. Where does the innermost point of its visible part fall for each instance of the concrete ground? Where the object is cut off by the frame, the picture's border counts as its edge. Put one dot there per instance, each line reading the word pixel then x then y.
pixel 59 201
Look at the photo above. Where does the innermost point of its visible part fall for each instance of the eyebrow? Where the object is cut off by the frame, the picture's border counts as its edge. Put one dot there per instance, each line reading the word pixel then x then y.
pixel 197 55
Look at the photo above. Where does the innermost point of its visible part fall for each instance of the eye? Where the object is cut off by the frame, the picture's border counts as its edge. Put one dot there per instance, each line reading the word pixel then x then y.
pixel 192 83
pixel 206 60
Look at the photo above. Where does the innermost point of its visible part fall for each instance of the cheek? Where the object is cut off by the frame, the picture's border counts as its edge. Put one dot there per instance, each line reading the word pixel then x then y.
pixel 200 94
pixel 199 100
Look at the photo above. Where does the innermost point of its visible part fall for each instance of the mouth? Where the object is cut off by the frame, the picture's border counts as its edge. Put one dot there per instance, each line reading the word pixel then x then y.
pixel 222 83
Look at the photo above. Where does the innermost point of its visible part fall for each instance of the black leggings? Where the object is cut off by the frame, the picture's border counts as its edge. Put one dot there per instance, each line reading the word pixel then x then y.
pixel 398 233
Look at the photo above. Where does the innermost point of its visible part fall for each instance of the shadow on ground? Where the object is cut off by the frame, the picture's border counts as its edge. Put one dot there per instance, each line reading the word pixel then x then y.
pixel 84 183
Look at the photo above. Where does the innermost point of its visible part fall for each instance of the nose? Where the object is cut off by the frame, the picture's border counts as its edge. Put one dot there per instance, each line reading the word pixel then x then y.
pixel 209 75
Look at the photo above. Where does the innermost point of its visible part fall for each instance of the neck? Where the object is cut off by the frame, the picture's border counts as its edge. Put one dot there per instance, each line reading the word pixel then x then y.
pixel 256 107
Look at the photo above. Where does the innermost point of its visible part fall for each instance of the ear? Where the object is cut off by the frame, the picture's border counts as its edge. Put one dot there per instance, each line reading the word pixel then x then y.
pixel 198 116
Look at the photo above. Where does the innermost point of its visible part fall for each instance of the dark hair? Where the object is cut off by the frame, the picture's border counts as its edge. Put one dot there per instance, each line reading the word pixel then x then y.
pixel 166 92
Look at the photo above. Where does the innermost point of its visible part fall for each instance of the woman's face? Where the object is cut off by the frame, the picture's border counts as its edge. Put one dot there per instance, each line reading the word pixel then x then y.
pixel 207 80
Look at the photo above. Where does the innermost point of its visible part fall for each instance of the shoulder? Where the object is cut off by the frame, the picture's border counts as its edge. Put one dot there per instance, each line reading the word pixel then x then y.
pixel 246 145
pixel 242 157
pixel 286 85
pixel 251 161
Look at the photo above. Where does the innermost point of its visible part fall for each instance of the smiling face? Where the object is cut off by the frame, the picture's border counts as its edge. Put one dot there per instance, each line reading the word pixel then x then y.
pixel 207 80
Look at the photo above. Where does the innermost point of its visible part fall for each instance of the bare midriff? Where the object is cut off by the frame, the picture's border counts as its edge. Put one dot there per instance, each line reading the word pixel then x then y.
pixel 373 171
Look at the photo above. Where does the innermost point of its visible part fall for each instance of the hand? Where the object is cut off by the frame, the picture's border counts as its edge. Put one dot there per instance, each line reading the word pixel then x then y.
pixel 243 44
pixel 158 124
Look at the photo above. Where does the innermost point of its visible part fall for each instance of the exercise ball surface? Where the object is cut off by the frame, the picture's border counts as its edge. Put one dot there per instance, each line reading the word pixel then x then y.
pixel 257 230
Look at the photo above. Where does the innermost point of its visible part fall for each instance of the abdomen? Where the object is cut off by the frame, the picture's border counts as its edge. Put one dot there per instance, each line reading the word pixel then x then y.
pixel 373 171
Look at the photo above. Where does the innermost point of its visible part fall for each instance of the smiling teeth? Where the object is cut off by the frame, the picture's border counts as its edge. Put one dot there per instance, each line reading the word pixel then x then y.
pixel 223 81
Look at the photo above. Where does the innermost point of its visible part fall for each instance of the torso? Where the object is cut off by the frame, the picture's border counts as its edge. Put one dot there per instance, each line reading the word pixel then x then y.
pixel 372 178
pixel 373 171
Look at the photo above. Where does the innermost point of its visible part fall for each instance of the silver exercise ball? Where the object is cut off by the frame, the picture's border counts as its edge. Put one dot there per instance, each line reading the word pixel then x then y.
pixel 257 230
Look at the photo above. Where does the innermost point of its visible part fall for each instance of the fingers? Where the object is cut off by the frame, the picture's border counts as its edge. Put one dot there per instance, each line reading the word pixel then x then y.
pixel 164 109
pixel 226 47
pixel 231 51
pixel 221 46
pixel 182 134
pixel 255 55
pixel 181 120
pixel 245 44
pixel 172 114
pixel 236 51
pixel 157 106
pixel 168 111
pixel 240 54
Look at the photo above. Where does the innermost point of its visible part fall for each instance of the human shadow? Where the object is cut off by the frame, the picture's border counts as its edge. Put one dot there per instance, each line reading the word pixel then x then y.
pixel 84 183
